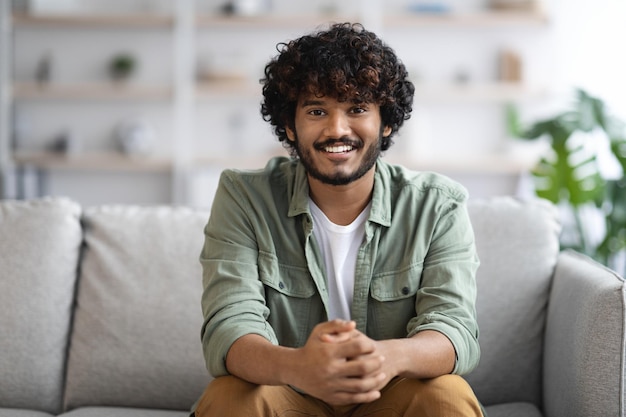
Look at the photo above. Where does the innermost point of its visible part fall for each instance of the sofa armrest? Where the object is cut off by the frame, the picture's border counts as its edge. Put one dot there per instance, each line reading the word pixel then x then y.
pixel 584 344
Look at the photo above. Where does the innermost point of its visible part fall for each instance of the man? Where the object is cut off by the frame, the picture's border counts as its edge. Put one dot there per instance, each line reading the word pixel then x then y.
pixel 334 283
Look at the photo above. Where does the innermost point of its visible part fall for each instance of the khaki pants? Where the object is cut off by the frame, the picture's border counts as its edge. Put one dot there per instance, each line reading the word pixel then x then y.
pixel 445 396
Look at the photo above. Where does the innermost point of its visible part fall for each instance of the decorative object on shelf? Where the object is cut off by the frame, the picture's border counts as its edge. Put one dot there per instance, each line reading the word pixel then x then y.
pixel 515 5
pixel 510 66
pixel 134 137
pixel 571 175
pixel 53 7
pixel 433 7
pixel 43 72
pixel 122 66
pixel 329 8
pixel 66 143
pixel 21 6
pixel 246 7
pixel 462 76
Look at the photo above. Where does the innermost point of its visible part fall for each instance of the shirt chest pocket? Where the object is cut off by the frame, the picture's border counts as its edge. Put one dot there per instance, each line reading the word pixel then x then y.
pixel 392 303
pixel 290 281
pixel 293 302
pixel 396 285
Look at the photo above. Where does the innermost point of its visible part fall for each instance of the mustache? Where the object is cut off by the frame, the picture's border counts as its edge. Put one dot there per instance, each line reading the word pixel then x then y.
pixel 356 143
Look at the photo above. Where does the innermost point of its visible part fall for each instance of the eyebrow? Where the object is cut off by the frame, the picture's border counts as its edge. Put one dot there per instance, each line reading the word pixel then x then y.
pixel 319 102
pixel 312 102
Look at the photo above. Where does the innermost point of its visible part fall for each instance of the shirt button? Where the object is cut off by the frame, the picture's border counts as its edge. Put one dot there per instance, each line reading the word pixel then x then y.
pixel 405 290
pixel 281 285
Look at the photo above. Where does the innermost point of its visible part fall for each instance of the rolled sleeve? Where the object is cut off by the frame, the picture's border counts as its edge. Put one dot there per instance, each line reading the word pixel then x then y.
pixel 446 299
pixel 233 302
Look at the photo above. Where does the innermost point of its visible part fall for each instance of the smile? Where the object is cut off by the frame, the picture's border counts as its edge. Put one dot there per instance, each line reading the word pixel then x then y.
pixel 338 148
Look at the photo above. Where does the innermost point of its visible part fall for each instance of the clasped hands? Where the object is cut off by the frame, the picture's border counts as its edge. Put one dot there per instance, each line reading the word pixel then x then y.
pixel 341 365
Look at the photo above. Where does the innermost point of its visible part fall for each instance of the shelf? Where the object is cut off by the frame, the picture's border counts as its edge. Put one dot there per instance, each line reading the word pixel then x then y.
pixel 90 91
pixel 270 21
pixel 186 92
pixel 238 162
pixel 483 19
pixel 92 21
pixel 499 91
pixel 97 161
pixel 219 88
pixel 487 18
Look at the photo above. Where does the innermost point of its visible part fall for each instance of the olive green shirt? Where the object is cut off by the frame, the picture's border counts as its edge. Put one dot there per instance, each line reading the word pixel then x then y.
pixel 263 272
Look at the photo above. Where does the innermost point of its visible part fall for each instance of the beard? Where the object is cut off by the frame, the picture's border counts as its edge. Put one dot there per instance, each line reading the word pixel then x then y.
pixel 372 152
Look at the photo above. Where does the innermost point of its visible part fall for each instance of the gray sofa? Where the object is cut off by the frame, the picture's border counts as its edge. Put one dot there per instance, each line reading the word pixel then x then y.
pixel 100 313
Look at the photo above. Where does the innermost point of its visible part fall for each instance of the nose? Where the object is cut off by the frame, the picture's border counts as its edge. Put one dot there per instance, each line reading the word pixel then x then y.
pixel 337 126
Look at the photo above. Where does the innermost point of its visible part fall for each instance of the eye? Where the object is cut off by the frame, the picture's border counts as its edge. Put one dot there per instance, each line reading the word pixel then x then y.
pixel 359 109
pixel 316 112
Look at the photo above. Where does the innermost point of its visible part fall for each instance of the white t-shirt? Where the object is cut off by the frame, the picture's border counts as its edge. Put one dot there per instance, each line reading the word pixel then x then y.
pixel 340 246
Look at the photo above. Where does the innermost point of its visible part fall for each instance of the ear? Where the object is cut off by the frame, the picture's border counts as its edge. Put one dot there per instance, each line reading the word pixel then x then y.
pixel 290 134
pixel 387 131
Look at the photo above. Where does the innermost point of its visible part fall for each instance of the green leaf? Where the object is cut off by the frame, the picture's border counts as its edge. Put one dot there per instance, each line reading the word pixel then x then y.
pixel 570 175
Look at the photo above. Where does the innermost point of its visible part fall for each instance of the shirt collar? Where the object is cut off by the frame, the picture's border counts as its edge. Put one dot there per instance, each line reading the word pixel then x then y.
pixel 381 198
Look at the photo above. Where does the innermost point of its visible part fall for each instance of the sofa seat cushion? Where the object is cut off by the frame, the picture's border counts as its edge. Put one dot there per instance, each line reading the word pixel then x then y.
pixel 40 244
pixel 513 410
pixel 123 412
pixel 136 334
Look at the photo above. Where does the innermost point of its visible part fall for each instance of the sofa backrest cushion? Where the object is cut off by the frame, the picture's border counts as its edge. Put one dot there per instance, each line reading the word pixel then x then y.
pixel 136 336
pixel 518 246
pixel 39 249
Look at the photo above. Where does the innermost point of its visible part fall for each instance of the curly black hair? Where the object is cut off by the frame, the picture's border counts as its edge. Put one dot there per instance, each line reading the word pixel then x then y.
pixel 345 62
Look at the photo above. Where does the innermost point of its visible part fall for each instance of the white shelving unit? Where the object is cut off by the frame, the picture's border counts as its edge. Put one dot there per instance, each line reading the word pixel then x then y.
pixel 5 98
pixel 182 94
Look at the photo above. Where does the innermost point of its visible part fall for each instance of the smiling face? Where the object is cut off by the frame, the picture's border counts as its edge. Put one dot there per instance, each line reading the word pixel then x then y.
pixel 337 142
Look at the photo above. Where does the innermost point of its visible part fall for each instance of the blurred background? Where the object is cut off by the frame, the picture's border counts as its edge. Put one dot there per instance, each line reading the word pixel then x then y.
pixel 146 101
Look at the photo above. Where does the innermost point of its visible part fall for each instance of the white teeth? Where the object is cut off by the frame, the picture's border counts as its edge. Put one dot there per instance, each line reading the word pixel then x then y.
pixel 338 149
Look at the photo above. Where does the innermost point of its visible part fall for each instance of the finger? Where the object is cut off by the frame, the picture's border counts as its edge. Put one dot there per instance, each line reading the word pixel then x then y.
pixel 329 331
pixel 358 345
pixel 339 337
pixel 337 326
pixel 335 337
pixel 362 367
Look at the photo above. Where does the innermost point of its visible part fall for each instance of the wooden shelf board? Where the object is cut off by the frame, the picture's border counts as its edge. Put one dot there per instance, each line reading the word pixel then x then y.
pixel 270 21
pixel 488 18
pixel 91 91
pixel 93 21
pixel 498 91
pixel 227 87
pixel 97 161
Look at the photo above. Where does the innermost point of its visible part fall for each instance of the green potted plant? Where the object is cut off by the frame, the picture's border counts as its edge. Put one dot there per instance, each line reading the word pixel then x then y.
pixel 121 66
pixel 570 175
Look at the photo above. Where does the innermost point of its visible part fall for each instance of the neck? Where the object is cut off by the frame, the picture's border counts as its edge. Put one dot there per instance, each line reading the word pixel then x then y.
pixel 343 203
